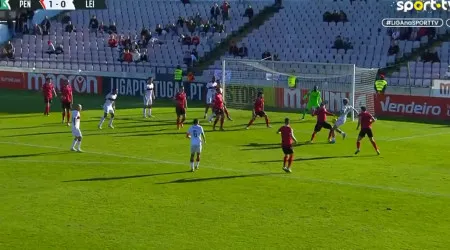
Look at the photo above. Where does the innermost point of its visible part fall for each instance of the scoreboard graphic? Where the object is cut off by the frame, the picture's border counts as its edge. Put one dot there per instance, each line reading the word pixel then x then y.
pixel 18 5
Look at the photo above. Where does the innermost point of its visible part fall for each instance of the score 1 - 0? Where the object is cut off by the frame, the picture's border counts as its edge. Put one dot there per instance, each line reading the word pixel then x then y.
pixel 57 4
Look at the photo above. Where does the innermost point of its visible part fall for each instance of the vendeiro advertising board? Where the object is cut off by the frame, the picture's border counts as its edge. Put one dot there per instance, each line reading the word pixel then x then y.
pixel 413 107
pixel 80 84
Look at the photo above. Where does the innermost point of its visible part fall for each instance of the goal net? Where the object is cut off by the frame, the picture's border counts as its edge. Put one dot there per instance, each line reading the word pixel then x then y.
pixel 243 79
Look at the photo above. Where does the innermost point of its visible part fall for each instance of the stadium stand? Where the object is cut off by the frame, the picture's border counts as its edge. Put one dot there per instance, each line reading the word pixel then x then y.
pixel 85 50
pixel 287 36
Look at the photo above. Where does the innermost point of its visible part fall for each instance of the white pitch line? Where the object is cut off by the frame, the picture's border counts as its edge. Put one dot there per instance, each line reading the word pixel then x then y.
pixel 416 136
pixel 77 162
pixel 311 180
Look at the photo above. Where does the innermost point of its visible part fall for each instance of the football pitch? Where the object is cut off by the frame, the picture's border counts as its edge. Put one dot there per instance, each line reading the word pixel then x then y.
pixel 131 188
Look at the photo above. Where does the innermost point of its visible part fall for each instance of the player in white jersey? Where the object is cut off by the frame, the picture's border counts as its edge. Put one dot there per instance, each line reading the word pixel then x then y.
pixel 210 93
pixel 108 108
pixel 346 109
pixel 76 132
pixel 149 96
pixel 197 136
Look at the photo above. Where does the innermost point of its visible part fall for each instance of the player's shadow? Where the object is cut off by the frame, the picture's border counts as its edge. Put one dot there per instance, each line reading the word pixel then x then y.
pixel 228 177
pixel 31 155
pixel 262 146
pixel 310 158
pixel 124 177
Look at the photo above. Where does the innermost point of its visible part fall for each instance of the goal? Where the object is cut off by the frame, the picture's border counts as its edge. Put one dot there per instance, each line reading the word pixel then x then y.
pixel 243 79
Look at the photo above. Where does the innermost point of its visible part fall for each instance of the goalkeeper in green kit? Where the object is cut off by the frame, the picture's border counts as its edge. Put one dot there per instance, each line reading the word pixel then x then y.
pixel 314 99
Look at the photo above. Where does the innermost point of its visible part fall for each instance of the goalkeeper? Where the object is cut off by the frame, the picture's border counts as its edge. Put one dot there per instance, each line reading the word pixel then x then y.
pixel 314 99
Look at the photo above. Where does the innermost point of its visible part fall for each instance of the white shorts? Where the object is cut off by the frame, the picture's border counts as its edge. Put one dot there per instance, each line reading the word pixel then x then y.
pixel 196 149
pixel 108 109
pixel 76 132
pixel 340 121
pixel 209 99
pixel 148 101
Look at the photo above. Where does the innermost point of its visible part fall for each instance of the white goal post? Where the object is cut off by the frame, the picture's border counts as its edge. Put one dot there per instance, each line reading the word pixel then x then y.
pixel 242 79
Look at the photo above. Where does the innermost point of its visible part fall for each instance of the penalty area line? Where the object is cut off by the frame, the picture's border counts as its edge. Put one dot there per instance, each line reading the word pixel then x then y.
pixel 309 180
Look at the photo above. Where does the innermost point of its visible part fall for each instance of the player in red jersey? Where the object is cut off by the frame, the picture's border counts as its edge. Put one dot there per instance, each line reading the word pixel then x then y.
pixel 181 106
pixel 218 107
pixel 321 114
pixel 287 138
pixel 66 101
pixel 225 110
pixel 48 90
pixel 258 110
pixel 365 121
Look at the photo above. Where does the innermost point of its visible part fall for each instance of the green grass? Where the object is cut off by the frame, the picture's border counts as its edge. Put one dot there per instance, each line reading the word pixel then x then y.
pixel 130 189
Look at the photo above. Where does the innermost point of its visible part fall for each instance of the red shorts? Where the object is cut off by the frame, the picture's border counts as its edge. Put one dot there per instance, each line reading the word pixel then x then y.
pixel 47 99
pixel 180 111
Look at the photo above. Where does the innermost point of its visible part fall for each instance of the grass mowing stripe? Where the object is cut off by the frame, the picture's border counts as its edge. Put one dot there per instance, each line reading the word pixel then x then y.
pixel 311 180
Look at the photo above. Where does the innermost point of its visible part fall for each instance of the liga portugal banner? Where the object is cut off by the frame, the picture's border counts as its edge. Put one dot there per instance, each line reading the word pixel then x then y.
pixel 418 107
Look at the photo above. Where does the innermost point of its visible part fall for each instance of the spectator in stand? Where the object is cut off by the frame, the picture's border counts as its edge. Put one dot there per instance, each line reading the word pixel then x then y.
pixel 69 27
pixel 180 22
pixel 243 51
pixel 195 41
pixel 428 56
pixel 66 19
pixel 422 32
pixel 394 48
pixel 38 30
pixel 186 40
pixel 215 12
pixel 396 34
pixel 167 29
pixel 327 17
pixel 266 56
pixel 135 46
pixel 186 2
pixel 338 43
pixel 143 43
pixel 233 49
pixel 9 50
pixel 159 30
pixel 93 24
pixel 112 29
pixel 197 19
pixel 190 77
pixel 194 52
pixel 249 12
pixel 127 56
pixel 174 29
pixel 136 55
pixel 343 17
pixel 156 41
pixel 194 59
pixel 275 57
pixel 144 57
pixel 126 43
pixel 145 34
pixel 46 25
pixel 191 26
pixel 225 11
pixel 101 28
pixel 205 27
pixel 112 41
pixel 431 33
pixel 51 48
